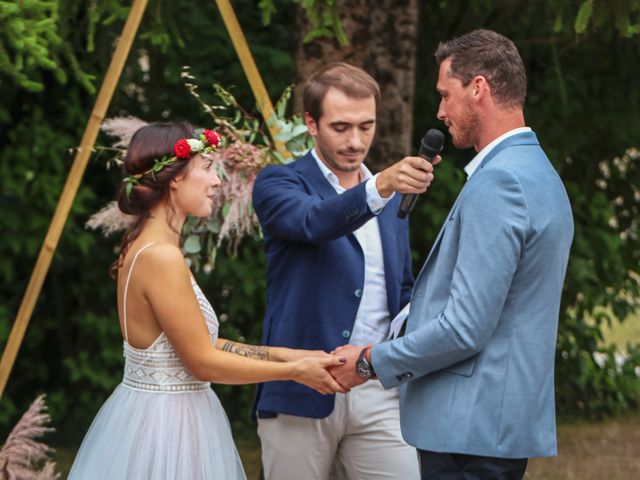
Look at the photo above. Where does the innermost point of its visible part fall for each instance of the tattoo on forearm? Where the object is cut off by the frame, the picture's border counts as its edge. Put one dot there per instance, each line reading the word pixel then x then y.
pixel 251 351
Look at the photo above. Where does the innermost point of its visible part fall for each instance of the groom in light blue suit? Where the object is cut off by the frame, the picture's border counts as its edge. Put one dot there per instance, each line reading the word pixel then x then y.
pixel 476 365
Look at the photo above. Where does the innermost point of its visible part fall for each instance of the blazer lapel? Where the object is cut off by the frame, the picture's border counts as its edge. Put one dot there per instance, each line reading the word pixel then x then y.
pixel 389 242
pixel 436 244
pixel 309 169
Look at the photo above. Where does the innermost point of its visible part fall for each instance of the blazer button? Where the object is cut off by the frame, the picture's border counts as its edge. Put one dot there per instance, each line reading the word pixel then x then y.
pixel 404 376
pixel 346 333
pixel 358 292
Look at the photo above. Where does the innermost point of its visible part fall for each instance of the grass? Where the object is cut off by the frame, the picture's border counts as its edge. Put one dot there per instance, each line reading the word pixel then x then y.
pixel 593 451
pixel 249 449
pixel 586 451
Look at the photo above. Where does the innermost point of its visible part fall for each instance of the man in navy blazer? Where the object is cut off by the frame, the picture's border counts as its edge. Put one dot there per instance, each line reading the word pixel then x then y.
pixel 476 363
pixel 338 268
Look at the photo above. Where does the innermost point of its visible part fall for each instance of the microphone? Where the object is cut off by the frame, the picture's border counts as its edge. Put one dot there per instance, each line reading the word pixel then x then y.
pixel 430 146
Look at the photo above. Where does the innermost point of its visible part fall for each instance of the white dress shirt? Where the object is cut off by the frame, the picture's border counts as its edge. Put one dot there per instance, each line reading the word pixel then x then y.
pixel 372 319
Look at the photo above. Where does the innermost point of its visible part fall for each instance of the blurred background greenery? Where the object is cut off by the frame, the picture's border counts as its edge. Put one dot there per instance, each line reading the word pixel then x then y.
pixel 583 102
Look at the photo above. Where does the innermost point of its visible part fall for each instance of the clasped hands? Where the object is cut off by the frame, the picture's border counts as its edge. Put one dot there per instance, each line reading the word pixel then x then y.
pixel 340 372
pixel 327 373
pixel 345 374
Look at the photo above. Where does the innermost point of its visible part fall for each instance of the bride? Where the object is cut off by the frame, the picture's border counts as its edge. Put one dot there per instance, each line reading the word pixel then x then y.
pixel 164 421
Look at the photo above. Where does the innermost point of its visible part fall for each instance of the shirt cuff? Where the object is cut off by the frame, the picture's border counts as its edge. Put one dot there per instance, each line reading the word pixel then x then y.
pixel 374 200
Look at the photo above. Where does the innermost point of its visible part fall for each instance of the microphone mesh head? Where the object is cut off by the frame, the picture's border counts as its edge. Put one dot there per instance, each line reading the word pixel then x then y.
pixel 433 140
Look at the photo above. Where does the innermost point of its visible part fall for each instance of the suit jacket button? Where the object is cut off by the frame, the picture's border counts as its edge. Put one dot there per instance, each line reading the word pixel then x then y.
pixel 346 333
pixel 358 292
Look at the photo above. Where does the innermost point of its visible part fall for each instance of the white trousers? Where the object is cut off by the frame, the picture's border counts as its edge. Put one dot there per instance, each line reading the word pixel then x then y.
pixel 361 437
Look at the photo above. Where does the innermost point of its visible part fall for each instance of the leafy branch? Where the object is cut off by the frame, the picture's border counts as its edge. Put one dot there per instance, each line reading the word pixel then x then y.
pixel 324 16
pixel 623 15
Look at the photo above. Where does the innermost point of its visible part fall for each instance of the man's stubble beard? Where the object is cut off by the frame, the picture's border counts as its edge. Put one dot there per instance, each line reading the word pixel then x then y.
pixel 328 158
pixel 465 137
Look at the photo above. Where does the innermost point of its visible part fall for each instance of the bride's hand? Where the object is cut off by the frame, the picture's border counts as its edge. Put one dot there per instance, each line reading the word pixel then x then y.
pixel 312 372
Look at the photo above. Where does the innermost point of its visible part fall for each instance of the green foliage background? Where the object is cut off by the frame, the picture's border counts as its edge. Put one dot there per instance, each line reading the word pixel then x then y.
pixel 583 102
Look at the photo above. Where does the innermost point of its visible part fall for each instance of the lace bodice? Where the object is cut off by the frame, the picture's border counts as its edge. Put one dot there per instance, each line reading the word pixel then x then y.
pixel 158 368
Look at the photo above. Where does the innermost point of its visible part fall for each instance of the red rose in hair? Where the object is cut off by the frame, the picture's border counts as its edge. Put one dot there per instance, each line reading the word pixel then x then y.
pixel 213 137
pixel 182 148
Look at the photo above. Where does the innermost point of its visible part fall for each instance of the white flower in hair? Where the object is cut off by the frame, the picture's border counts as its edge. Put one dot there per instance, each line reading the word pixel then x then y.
pixel 195 144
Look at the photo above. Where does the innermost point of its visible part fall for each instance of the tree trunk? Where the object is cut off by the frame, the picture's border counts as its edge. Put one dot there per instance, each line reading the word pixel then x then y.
pixel 382 40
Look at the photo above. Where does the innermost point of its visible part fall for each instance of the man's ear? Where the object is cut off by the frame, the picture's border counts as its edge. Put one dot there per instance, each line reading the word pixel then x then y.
pixel 312 125
pixel 481 87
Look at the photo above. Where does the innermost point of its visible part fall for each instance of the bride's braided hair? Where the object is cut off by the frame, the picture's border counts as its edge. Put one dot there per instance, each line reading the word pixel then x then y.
pixel 147 145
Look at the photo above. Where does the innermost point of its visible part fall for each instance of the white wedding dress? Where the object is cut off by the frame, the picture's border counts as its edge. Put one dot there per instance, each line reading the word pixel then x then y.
pixel 160 422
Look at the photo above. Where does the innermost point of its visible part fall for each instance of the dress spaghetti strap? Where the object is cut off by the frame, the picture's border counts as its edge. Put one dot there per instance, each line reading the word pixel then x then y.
pixel 126 287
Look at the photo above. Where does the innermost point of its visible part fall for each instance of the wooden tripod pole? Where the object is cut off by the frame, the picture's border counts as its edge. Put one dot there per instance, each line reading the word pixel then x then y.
pixel 251 71
pixel 69 192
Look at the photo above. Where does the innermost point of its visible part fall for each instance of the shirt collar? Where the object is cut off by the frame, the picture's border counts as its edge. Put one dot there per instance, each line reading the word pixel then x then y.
pixel 477 160
pixel 332 178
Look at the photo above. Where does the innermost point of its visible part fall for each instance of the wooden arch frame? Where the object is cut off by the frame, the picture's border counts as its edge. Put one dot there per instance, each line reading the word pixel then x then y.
pixel 83 153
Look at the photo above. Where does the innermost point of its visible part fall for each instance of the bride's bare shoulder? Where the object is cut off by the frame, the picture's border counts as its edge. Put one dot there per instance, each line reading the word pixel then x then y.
pixel 163 258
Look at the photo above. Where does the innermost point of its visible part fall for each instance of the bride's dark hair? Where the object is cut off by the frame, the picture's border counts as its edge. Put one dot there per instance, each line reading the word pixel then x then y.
pixel 149 143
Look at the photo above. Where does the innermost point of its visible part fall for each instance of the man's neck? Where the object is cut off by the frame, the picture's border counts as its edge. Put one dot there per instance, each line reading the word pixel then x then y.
pixel 349 179
pixel 497 124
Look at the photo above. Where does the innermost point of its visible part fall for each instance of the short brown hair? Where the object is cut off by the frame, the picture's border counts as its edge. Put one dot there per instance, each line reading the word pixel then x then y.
pixel 350 80
pixel 495 57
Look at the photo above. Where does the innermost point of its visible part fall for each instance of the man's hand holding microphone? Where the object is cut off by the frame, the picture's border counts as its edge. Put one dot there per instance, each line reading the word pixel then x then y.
pixel 412 175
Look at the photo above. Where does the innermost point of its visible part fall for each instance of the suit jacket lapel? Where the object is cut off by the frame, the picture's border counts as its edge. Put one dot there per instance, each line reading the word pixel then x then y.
pixel 389 242
pixel 436 244
pixel 309 169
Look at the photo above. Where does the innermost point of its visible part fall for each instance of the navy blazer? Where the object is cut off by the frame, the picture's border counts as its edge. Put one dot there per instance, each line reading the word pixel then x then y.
pixel 315 269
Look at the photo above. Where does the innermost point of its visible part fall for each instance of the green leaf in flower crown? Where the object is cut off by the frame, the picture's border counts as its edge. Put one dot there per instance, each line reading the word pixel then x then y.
pixel 192 244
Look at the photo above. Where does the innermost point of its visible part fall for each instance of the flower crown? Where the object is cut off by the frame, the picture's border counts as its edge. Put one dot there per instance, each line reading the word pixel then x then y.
pixel 205 141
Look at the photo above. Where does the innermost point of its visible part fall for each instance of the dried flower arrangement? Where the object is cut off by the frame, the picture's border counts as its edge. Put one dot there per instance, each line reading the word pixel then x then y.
pixel 22 457
pixel 245 150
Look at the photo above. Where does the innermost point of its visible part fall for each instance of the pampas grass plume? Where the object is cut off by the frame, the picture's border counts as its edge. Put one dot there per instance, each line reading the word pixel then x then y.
pixel 22 457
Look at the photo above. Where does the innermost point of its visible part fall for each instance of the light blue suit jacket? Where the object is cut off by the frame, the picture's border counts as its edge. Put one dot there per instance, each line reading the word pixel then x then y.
pixel 476 362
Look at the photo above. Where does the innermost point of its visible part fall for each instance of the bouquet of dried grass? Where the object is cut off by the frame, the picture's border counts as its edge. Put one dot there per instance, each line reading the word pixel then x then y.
pixel 245 150
pixel 24 458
